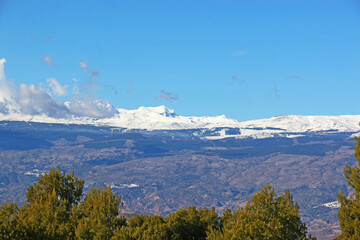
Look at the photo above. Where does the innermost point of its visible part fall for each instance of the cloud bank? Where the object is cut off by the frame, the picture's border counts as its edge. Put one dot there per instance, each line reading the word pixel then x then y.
pixel 35 100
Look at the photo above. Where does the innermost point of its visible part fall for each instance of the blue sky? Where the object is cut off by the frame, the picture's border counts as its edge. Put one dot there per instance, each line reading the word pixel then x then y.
pixel 245 59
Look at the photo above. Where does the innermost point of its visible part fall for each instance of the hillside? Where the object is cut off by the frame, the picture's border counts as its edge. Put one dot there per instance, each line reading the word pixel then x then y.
pixel 159 170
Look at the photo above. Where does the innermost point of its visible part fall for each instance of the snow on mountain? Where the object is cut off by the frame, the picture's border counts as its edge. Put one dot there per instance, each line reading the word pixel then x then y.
pixel 334 204
pixel 163 118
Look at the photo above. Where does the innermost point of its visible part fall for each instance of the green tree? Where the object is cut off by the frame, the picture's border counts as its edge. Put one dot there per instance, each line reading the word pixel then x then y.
pixel 47 214
pixel 8 221
pixel 54 211
pixel 67 187
pixel 192 223
pixel 144 227
pixel 265 216
pixel 349 212
pixel 46 218
pixel 99 214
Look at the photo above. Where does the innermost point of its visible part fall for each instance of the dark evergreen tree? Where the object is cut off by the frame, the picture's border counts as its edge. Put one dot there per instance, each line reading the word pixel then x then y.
pixel 349 212
pixel 192 223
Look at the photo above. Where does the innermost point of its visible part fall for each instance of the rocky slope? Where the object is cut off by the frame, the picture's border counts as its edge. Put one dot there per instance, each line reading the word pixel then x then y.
pixel 159 161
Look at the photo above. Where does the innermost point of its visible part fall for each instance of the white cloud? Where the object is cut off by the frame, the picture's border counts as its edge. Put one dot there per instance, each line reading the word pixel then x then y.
pixel 83 65
pixel 2 73
pixel 36 100
pixel 4 108
pixel 91 108
pixel 48 60
pixel 56 87
pixel 5 86
pixel 75 89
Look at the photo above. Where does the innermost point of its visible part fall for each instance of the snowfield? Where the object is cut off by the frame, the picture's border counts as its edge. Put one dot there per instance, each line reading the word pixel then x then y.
pixel 163 118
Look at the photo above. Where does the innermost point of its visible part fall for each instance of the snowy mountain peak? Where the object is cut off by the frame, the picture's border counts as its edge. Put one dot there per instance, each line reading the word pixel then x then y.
pixel 163 118
pixel 161 110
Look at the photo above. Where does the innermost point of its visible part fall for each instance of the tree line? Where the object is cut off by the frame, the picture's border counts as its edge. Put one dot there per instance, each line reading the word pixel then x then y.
pixel 56 209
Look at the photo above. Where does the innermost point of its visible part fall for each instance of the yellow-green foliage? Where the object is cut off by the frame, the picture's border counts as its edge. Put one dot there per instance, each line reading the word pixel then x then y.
pixel 67 187
pixel 54 211
pixel 8 221
pixel 190 223
pixel 98 215
pixel 144 227
pixel 349 212
pixel 47 212
pixel 265 216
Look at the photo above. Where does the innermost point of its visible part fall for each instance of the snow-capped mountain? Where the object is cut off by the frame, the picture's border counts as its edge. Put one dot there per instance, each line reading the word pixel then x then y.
pixel 159 161
pixel 163 118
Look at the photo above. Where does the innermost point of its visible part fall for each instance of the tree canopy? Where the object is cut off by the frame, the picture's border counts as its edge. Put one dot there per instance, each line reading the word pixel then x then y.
pixel 56 209
pixel 265 216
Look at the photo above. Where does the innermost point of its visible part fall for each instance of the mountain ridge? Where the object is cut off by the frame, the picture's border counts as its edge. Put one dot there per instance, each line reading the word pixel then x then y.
pixel 158 171
pixel 163 118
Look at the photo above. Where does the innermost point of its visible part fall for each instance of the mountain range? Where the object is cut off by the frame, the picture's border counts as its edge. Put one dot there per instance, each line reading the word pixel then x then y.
pixel 159 161
pixel 163 118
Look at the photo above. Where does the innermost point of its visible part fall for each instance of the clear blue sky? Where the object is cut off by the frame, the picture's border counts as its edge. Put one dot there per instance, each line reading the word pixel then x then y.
pixel 244 59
